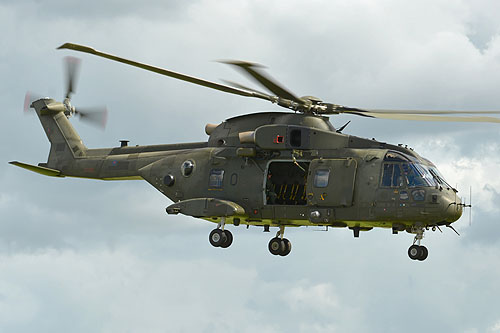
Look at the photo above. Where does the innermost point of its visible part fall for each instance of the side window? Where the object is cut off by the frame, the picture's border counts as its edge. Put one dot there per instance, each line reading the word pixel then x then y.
pixel 387 176
pixel 397 177
pixel 216 179
pixel 321 178
pixel 392 175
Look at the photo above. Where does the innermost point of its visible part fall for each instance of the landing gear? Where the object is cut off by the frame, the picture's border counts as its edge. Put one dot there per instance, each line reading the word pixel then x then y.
pixel 279 245
pixel 276 246
pixel 220 237
pixel 229 239
pixel 417 251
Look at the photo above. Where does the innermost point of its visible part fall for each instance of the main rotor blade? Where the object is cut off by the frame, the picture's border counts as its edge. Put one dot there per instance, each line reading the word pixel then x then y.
pixel 179 76
pixel 427 112
pixel 421 117
pixel 264 80
pixel 72 66
pixel 240 86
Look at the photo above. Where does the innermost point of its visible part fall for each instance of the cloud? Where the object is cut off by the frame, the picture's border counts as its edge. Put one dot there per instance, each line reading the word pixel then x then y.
pixel 98 10
pixel 495 327
pixel 319 298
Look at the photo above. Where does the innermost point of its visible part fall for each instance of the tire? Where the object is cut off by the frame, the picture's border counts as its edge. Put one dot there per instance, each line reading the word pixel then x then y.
pixel 424 253
pixel 229 239
pixel 276 246
pixel 216 237
pixel 287 247
pixel 414 252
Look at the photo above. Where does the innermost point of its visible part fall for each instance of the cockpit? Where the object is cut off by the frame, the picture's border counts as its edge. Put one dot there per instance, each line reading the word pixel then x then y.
pixel 400 170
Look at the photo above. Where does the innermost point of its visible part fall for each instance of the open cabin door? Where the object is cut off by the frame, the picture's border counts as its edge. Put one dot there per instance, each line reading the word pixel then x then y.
pixel 331 182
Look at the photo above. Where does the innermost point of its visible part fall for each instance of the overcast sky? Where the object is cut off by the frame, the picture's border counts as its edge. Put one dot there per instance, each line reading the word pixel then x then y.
pixel 91 256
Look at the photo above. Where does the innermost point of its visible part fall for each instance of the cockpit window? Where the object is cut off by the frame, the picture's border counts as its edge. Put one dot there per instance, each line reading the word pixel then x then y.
pixel 392 175
pixel 418 175
pixel 411 174
pixel 438 176
pixel 395 157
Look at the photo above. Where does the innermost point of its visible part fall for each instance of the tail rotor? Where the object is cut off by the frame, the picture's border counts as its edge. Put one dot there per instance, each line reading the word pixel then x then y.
pixel 96 116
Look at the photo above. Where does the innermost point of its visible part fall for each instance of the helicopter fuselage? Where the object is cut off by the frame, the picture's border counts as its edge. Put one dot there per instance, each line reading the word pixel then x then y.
pixel 280 169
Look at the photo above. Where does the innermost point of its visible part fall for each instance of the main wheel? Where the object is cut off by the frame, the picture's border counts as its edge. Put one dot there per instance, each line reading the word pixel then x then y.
pixel 287 247
pixel 217 237
pixel 415 252
pixel 276 246
pixel 424 253
pixel 229 239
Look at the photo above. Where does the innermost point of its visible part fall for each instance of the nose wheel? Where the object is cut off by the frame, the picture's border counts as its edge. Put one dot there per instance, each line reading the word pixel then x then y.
pixel 280 246
pixel 417 251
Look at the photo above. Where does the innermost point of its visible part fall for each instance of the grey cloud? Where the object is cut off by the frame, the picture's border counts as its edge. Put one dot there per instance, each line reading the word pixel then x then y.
pixel 100 10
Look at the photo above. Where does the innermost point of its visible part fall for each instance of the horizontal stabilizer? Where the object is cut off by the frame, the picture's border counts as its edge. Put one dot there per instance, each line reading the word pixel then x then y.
pixel 38 169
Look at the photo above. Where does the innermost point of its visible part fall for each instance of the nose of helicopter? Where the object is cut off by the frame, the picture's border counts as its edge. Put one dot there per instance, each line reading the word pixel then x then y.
pixel 452 208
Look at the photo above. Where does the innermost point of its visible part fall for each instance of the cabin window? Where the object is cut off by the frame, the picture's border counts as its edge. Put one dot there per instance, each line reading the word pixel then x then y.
pixel 321 178
pixel 216 179
pixel 295 138
pixel 187 168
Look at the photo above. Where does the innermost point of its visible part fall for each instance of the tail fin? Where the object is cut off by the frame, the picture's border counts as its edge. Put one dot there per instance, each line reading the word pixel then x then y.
pixel 66 144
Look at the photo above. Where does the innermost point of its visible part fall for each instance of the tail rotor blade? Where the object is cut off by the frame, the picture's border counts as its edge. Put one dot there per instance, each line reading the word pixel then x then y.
pixel 27 101
pixel 29 98
pixel 94 116
pixel 72 66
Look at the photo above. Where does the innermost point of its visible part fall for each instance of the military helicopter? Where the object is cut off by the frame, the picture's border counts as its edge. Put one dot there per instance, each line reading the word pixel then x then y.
pixel 269 169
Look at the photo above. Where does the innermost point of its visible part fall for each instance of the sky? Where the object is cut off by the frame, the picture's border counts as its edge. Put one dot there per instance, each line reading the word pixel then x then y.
pixel 86 255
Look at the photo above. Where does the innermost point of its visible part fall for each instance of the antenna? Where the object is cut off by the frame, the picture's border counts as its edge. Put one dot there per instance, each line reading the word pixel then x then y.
pixel 470 205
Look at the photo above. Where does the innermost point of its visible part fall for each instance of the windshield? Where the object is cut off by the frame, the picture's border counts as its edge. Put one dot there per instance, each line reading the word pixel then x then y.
pixel 409 173
pixel 438 176
pixel 418 175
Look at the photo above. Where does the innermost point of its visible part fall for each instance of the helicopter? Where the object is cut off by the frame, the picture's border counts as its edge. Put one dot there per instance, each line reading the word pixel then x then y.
pixel 269 169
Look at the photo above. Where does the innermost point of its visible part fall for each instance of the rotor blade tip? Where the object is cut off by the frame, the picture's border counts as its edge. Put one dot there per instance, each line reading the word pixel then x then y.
pixel 65 46
pixel 77 47
pixel 240 63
